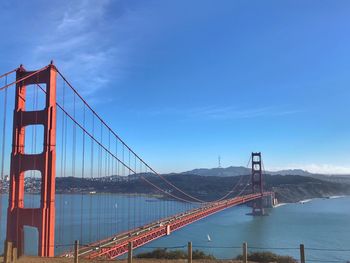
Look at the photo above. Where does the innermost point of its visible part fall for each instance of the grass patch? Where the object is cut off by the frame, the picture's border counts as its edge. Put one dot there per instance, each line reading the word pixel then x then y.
pixel 174 254
pixel 266 257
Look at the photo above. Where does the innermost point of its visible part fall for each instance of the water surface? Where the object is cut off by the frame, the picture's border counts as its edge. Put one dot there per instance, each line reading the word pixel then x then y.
pixel 319 224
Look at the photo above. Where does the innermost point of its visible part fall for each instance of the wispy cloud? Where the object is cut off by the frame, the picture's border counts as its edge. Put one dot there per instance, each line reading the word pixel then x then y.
pixel 223 113
pixel 82 41
pixel 74 44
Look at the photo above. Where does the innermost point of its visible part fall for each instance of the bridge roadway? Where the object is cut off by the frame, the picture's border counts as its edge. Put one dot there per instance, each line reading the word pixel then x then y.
pixel 117 245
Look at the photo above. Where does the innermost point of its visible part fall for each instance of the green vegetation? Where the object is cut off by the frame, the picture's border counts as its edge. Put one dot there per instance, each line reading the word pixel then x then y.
pixel 173 254
pixel 263 257
pixel 266 257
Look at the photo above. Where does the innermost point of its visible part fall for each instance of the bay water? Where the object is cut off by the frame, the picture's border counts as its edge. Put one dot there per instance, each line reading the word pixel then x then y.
pixel 322 225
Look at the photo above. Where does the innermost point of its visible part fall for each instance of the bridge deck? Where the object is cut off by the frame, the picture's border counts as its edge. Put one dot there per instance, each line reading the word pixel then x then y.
pixel 118 245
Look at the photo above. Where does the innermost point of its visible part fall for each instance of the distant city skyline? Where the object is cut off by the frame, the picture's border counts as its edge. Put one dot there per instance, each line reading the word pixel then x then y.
pixel 183 82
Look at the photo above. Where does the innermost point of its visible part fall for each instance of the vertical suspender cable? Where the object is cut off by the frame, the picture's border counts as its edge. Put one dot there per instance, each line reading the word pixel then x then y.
pixel 105 198
pixel 4 133
pixel 129 181
pixel 72 197
pixel 99 179
pixel 112 161
pixel 141 206
pixel 3 151
pixel 109 174
pixel 116 201
pixel 82 177
pixel 134 196
pixel 91 176
pixel 74 140
pixel 64 147
pixel 123 174
pixel 75 230
pixel 66 200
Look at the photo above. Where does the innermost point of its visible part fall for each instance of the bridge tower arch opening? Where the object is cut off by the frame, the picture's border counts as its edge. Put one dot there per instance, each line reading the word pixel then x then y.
pixel 43 217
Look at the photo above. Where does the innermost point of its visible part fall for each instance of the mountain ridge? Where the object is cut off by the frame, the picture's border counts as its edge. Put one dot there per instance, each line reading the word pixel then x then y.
pixel 239 170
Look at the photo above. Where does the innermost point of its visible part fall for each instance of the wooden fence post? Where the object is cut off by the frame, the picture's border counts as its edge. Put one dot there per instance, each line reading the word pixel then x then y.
pixel 130 248
pixel 8 252
pixel 302 253
pixel 76 251
pixel 245 252
pixel 189 252
pixel 14 255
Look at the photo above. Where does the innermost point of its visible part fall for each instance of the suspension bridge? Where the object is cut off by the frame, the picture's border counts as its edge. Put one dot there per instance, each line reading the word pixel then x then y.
pixel 59 139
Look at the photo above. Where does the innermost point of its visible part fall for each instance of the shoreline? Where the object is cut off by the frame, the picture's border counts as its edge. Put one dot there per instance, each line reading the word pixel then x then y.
pixel 305 201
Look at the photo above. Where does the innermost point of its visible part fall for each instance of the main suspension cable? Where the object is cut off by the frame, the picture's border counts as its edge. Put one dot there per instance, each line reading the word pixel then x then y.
pixel 8 73
pixel 128 167
pixel 197 200
pixel 24 78
pixel 136 155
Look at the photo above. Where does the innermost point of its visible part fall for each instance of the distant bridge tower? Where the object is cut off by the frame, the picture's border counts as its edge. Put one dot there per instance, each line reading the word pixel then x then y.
pixel 257 183
pixel 43 217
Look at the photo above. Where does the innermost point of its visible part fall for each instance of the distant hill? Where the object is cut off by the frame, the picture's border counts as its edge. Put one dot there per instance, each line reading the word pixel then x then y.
pixel 240 170
pixel 291 172
pixel 229 171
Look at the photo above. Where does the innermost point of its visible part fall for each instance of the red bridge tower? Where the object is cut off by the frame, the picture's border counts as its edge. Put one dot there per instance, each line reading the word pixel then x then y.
pixel 257 184
pixel 18 216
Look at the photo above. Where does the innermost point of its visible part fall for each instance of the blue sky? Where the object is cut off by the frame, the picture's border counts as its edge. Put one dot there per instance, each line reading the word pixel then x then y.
pixel 185 81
